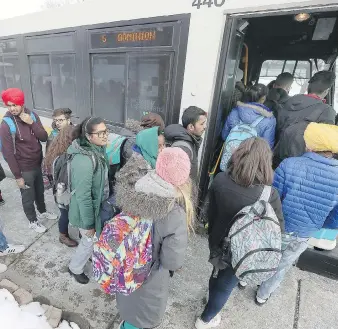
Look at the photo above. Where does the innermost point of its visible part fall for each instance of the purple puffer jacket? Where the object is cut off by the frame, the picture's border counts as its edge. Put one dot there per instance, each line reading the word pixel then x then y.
pixel 248 113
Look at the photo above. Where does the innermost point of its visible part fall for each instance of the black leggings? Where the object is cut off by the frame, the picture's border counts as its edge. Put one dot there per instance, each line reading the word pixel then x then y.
pixel 63 221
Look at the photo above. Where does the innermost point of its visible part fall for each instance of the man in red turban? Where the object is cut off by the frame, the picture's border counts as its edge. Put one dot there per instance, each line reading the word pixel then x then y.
pixel 21 134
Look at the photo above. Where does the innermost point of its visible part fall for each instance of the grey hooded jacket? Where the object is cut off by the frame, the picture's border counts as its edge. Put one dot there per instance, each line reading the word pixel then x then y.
pixel 152 197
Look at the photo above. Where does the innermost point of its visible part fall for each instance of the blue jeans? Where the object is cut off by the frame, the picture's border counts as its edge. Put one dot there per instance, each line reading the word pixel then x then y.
pixel 3 242
pixel 63 221
pixel 292 248
pixel 220 289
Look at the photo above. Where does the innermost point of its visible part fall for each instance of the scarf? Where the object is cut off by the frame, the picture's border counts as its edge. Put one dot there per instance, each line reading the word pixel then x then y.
pixel 98 151
pixel 147 142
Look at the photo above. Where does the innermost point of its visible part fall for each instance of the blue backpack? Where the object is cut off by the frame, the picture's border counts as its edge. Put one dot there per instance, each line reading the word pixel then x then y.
pixel 237 135
pixel 12 129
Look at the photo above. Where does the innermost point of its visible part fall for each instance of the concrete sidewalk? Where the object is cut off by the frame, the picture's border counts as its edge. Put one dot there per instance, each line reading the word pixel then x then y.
pixel 305 301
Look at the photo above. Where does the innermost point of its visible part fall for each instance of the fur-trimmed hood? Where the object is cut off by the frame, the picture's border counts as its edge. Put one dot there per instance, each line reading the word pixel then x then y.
pixel 133 125
pixel 249 112
pixel 260 109
pixel 148 197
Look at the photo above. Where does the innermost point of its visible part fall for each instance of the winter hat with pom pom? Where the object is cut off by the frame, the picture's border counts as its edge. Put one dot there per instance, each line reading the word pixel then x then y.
pixel 173 166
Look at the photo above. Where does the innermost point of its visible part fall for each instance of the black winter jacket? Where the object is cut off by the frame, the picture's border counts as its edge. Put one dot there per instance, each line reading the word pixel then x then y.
pixel 177 133
pixel 226 199
pixel 276 98
pixel 292 120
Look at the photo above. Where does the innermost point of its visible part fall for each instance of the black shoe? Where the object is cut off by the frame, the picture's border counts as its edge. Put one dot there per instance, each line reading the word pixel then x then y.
pixel 80 278
pixel 2 202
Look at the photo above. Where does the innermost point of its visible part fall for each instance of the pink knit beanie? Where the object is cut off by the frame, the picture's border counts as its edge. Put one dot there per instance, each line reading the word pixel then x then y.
pixel 173 166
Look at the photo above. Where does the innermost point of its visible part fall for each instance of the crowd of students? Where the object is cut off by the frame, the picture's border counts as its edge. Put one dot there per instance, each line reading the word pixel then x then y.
pixel 299 135
pixel 154 179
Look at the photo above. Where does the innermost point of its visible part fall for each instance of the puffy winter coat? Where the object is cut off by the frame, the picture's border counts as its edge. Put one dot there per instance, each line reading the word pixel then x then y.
pixel 151 197
pixel 308 187
pixel 292 121
pixel 248 113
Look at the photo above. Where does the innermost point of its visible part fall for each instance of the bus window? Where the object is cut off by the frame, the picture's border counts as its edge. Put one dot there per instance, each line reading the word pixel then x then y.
pixel 302 71
pixel 270 70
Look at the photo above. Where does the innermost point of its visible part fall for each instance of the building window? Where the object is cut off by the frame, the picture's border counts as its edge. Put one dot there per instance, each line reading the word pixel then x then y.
pixel 53 81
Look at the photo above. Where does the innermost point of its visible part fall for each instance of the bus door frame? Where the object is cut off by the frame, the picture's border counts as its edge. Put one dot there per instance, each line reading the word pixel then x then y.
pixel 230 17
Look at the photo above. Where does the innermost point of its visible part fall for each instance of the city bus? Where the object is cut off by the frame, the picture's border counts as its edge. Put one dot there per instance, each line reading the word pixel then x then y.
pixel 121 60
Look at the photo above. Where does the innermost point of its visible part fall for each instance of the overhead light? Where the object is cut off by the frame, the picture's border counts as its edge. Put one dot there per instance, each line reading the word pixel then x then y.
pixel 302 17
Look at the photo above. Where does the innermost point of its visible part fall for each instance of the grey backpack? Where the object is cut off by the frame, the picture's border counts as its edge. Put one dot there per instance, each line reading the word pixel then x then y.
pixel 255 241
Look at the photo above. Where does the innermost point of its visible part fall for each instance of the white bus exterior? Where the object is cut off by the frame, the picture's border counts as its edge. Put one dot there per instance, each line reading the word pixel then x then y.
pixel 205 31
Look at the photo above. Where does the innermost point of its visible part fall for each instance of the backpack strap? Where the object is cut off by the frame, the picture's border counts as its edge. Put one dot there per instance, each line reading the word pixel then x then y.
pixel 266 193
pixel 94 163
pixel 184 144
pixel 257 121
pixel 33 116
pixel 69 159
pixel 12 129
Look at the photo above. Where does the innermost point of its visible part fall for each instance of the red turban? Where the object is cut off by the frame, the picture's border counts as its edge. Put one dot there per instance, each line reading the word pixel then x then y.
pixel 14 95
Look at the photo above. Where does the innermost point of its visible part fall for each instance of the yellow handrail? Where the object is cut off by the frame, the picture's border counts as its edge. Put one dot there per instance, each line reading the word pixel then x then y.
pixel 217 163
pixel 246 58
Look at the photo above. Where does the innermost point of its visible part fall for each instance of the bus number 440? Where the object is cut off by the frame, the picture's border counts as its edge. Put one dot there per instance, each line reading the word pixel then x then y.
pixel 209 3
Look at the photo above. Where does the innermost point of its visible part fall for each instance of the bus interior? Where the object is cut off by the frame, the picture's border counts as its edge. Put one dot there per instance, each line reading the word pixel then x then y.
pixel 301 43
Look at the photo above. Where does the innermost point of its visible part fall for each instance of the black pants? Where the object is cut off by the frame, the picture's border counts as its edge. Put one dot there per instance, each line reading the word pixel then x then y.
pixel 35 193
pixel 63 221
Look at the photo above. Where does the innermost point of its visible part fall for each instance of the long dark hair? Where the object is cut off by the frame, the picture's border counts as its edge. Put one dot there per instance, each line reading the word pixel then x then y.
pixel 251 163
pixel 59 145
pixel 86 127
pixel 255 93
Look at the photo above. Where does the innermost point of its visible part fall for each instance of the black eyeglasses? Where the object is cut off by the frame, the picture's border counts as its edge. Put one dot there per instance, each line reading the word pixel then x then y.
pixel 59 120
pixel 101 134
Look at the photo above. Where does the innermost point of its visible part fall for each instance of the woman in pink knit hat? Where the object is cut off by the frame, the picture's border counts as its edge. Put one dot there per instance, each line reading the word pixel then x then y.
pixel 164 196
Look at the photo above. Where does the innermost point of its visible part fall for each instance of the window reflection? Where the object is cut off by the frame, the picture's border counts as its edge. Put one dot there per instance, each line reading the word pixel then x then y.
pixel 3 84
pixel 148 84
pixel 64 90
pixel 108 85
pixel 41 81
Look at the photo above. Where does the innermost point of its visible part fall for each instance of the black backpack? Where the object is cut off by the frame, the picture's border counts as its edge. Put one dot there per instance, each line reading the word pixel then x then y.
pixel 61 172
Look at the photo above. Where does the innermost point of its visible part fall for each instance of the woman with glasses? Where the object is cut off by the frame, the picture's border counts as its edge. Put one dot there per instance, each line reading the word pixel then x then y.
pixel 90 187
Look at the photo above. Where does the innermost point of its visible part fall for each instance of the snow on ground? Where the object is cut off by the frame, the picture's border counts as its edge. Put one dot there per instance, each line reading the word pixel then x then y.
pixel 30 316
